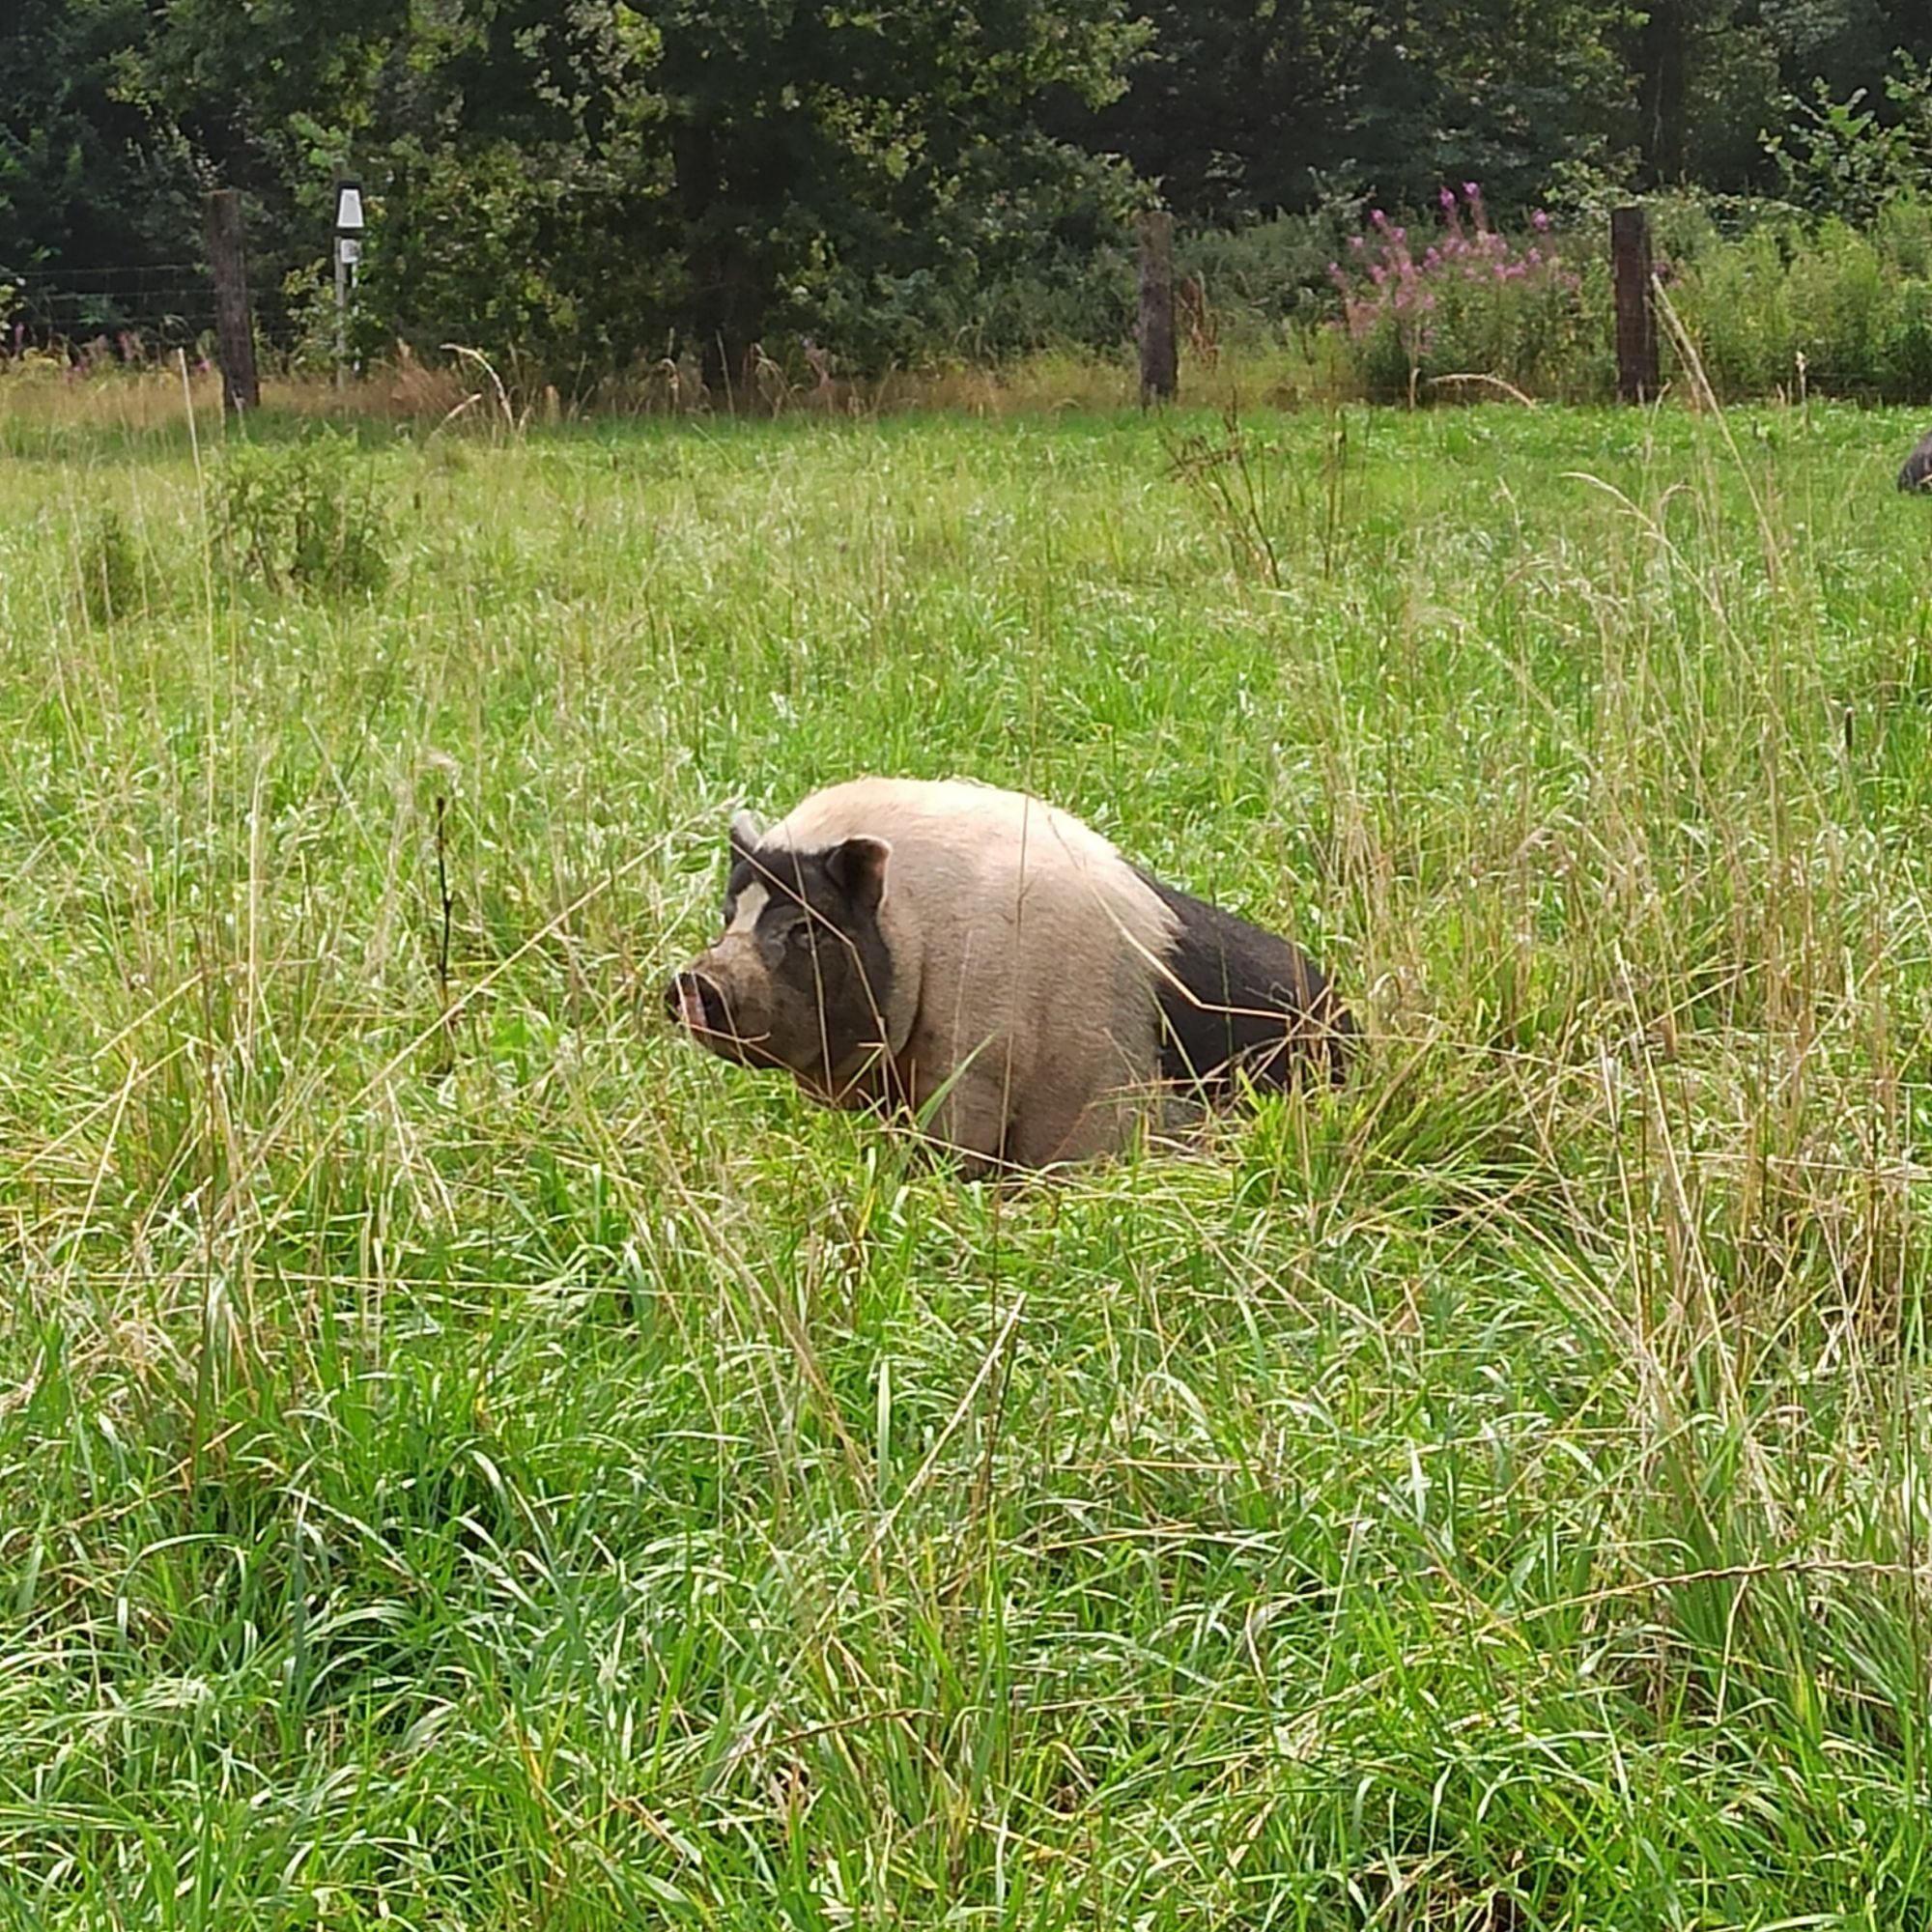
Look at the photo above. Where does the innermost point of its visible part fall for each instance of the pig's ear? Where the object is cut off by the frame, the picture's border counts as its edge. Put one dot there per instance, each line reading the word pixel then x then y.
pixel 858 868
pixel 746 831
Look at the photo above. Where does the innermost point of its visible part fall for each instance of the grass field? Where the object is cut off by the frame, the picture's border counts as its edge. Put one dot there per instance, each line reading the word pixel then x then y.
pixel 469 1460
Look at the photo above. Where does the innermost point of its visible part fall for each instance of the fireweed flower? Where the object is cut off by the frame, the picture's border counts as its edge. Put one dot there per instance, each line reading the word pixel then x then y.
pixel 1455 290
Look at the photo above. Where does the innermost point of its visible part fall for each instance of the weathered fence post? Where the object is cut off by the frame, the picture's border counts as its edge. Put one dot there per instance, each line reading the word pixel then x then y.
pixel 1158 381
pixel 1637 309
pixel 234 323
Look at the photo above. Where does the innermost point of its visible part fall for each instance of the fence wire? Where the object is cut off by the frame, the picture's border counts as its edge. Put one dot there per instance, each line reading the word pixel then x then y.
pixel 138 310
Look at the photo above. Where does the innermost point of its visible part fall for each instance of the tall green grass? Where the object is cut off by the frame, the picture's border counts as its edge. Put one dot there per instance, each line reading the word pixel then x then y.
pixel 469 1460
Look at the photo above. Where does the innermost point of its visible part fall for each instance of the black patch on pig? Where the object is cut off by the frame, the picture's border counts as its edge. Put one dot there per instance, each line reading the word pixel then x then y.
pixel 818 933
pixel 1245 998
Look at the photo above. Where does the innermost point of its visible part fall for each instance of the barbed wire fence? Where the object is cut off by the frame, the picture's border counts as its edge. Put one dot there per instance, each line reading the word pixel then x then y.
pixel 131 312
pixel 160 305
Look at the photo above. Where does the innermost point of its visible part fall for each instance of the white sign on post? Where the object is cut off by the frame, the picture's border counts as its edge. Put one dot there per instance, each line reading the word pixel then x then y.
pixel 349 226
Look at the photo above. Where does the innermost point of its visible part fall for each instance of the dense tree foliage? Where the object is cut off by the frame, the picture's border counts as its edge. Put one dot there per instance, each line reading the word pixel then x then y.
pixel 585 181
pixel 1243 107
pixel 588 183
pixel 88 176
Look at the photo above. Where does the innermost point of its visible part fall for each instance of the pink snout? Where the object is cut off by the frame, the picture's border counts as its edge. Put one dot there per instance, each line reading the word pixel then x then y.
pixel 696 1004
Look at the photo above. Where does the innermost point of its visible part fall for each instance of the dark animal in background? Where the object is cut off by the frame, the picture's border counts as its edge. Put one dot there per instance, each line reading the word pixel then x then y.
pixel 1918 470
pixel 904 943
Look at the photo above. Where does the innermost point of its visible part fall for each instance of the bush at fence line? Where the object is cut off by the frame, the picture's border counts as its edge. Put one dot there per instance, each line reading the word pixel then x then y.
pixel 301 516
pixel 1756 284
pixel 1850 158
pixel 1380 309
pixel 1855 304
pixel 1267 278
pixel 1467 301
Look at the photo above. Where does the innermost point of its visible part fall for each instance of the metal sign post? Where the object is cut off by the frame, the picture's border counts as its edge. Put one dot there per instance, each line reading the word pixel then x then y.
pixel 349 226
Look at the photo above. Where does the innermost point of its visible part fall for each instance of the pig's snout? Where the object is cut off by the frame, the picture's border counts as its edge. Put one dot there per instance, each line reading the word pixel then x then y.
pixel 696 1004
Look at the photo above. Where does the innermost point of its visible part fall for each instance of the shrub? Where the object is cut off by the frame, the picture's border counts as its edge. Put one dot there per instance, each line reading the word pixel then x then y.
pixel 1265 274
pixel 301 516
pixel 116 579
pixel 1844 158
pixel 1770 298
pixel 1473 302
pixel 1855 304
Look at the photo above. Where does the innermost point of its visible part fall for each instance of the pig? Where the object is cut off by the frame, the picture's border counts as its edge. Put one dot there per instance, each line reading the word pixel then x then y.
pixel 992 965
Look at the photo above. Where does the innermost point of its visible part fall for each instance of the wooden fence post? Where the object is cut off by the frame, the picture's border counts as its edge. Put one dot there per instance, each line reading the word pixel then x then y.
pixel 1636 310
pixel 234 319
pixel 1158 373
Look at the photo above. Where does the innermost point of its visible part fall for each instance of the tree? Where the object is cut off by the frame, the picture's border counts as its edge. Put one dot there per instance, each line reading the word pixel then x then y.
pixel 1249 107
pixel 1237 107
pixel 1501 92
pixel 91 172
pixel 1663 59
pixel 582 181
pixel 811 135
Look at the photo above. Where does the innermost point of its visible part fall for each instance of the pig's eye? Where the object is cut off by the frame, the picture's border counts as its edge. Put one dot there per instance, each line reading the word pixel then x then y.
pixel 799 938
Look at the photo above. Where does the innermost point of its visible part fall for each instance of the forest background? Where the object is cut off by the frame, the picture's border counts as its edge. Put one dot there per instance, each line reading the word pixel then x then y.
pixel 584 189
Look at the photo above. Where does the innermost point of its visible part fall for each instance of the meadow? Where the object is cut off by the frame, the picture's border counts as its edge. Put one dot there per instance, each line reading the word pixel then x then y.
pixel 470 1459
